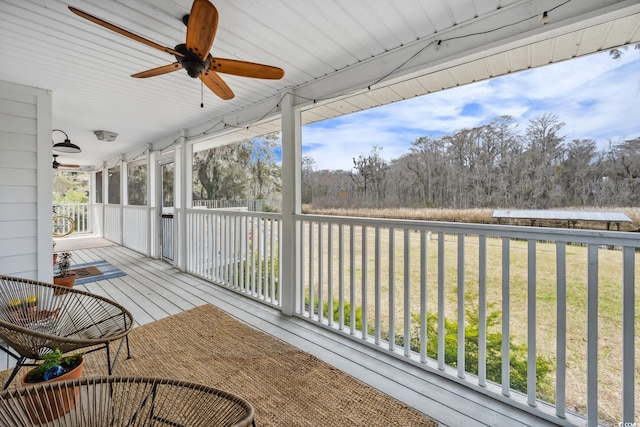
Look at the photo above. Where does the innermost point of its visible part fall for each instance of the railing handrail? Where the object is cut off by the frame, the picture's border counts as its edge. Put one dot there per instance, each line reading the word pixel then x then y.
pixel 609 238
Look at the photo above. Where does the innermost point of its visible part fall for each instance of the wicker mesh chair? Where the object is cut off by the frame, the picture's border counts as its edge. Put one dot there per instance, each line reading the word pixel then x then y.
pixel 37 317
pixel 123 401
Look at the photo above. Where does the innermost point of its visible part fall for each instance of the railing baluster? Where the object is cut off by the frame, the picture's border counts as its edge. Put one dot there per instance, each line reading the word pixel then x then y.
pixel 423 296
pixel 377 285
pixel 279 275
pixel 592 336
pixel 561 328
pixel 240 256
pixel 392 291
pixel 363 269
pixel 310 267
pixel 261 237
pixel 247 254
pixel 216 248
pixel 196 234
pixel 227 249
pixel 255 255
pixel 236 252
pixel 320 271
pixel 341 277
pixel 441 311
pixel 272 256
pixel 407 294
pixel 352 278
pixel 506 366
pixel 628 334
pixel 461 346
pixel 531 323
pixel 302 263
pixel 482 312
pixel 330 274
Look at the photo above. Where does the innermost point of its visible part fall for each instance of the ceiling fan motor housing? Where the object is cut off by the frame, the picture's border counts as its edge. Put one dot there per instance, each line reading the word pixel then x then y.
pixel 191 62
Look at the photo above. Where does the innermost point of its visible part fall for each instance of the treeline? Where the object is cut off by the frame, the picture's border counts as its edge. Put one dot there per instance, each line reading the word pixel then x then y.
pixel 246 170
pixel 490 166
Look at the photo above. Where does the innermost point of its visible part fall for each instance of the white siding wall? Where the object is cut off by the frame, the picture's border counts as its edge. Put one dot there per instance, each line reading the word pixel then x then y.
pixel 25 182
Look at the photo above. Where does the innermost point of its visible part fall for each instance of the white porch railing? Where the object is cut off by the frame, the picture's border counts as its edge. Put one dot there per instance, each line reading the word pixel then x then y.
pixel 468 302
pixel 79 212
pixel 567 296
pixel 238 249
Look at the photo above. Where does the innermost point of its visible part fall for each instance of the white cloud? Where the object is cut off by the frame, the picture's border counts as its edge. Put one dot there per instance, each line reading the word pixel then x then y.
pixel 597 97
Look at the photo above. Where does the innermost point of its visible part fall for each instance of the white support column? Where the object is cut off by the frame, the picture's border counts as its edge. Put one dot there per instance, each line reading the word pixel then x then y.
pixel 156 200
pixel 181 186
pixel 123 195
pixel 291 176
pixel 105 195
pixel 44 185
pixel 150 200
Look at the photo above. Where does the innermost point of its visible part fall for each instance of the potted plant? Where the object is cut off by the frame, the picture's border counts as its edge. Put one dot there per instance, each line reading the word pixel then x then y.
pixel 54 402
pixel 64 276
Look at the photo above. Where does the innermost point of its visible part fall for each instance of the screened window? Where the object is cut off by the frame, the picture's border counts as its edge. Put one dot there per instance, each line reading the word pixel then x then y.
pixel 114 185
pixel 98 187
pixel 168 172
pixel 137 184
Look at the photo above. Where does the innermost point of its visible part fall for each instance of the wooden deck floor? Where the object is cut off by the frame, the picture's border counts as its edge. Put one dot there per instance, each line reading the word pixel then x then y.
pixel 152 289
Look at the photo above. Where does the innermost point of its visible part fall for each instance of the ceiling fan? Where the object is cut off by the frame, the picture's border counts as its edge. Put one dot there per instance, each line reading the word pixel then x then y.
pixel 194 55
pixel 57 165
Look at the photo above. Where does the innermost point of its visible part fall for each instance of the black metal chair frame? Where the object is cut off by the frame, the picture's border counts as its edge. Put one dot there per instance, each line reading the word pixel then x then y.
pixel 63 318
pixel 123 401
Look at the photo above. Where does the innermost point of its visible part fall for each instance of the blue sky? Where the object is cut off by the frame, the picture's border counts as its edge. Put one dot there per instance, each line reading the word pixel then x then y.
pixel 595 96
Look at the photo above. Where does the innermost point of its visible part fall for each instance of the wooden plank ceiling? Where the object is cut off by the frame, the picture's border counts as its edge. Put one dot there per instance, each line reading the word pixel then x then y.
pixel 338 56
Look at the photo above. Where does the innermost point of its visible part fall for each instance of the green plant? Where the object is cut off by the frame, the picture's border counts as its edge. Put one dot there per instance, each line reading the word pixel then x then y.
pixel 64 262
pixel 254 266
pixel 53 365
pixel 517 352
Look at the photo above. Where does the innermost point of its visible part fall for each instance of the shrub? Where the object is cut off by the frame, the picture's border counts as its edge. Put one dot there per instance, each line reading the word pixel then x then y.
pixel 517 352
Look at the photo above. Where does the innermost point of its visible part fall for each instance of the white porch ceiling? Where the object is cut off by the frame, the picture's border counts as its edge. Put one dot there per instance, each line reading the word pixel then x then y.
pixel 338 56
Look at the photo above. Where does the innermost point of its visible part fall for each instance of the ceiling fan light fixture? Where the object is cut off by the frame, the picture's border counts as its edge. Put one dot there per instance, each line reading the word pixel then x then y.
pixel 66 146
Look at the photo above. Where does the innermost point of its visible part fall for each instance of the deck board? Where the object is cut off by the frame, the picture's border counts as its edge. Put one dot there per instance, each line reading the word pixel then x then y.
pixel 153 289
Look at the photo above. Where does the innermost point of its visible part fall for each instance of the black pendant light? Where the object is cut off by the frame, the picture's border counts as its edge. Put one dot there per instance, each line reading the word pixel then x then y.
pixel 67 146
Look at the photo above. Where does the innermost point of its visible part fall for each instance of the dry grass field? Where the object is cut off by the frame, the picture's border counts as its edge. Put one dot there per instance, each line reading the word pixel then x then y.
pixel 610 295
pixel 481 216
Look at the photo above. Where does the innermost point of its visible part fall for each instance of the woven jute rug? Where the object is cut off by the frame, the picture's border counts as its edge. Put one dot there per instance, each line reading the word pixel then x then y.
pixel 286 386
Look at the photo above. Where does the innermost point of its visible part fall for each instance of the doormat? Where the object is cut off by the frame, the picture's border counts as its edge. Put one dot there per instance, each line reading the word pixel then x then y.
pixel 94 271
pixel 84 272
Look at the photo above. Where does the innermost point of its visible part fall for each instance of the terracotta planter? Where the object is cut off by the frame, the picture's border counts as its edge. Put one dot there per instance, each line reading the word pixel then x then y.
pixel 67 281
pixel 55 259
pixel 53 403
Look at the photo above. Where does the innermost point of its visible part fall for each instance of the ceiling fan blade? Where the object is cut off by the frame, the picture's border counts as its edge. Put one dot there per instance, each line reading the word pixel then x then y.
pixel 214 82
pixel 246 69
pixel 158 71
pixel 201 28
pixel 62 165
pixel 123 32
